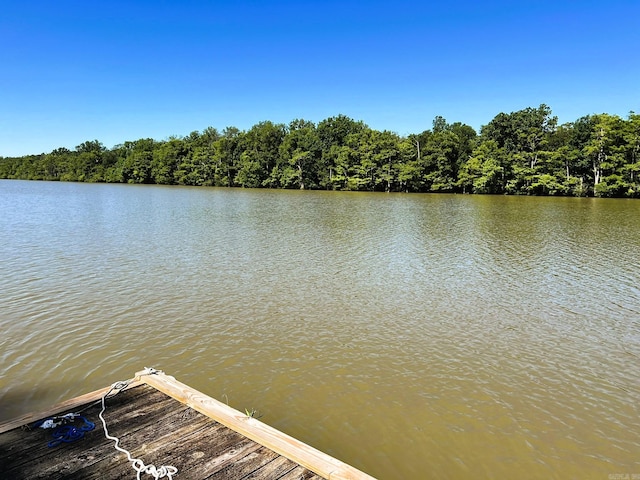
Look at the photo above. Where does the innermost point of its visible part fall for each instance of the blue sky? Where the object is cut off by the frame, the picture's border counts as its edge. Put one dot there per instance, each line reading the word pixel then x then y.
pixel 123 70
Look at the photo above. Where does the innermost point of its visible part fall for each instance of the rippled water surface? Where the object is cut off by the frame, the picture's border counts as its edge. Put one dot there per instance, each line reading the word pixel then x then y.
pixel 413 336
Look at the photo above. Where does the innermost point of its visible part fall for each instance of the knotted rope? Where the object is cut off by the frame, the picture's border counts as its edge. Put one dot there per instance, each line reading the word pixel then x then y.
pixel 137 464
pixel 64 430
pixel 70 433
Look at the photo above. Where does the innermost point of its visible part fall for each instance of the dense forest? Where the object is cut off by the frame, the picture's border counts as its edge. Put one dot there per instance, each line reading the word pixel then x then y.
pixel 523 152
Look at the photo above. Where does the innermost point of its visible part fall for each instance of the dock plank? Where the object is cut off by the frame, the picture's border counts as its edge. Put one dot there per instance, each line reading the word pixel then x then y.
pixel 145 443
pixel 19 446
pixel 300 473
pixel 275 468
pixel 37 459
pixel 247 464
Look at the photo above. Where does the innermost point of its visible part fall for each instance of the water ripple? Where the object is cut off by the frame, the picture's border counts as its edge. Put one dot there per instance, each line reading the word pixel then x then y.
pixel 456 336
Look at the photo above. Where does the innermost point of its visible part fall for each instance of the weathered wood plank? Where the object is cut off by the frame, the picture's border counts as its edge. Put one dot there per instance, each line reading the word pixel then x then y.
pixel 246 465
pixel 276 468
pixel 65 458
pixel 126 409
pixel 215 461
pixel 181 446
pixel 300 473
pixel 155 444
pixel 305 455
pixel 24 446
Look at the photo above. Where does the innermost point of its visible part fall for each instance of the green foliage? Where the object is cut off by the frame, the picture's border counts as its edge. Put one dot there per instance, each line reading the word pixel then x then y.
pixel 300 154
pixel 252 413
pixel 524 152
pixel 484 171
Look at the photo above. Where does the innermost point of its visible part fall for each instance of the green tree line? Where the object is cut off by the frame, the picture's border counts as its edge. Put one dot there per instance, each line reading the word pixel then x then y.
pixel 523 152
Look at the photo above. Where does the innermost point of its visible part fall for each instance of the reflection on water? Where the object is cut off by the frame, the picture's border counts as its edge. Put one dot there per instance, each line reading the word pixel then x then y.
pixel 413 336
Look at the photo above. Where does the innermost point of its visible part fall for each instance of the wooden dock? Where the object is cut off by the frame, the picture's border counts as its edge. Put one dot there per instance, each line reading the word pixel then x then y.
pixel 163 422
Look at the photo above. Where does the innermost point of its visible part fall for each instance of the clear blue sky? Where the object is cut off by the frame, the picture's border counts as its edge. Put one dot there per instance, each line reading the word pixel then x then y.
pixel 124 69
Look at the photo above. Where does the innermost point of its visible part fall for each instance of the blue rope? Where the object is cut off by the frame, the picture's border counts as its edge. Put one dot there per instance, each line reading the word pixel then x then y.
pixel 70 433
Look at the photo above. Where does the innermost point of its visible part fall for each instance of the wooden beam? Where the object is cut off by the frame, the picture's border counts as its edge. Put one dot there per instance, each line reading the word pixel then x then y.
pixel 66 406
pixel 287 446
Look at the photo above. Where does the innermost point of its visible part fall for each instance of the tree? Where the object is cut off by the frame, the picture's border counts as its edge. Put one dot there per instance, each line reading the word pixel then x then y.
pixel 333 133
pixel 136 167
pixel 260 154
pixel 524 135
pixel 408 173
pixel 632 153
pixel 522 152
pixel 86 162
pixel 387 157
pixel 166 158
pixel 605 152
pixel 569 142
pixel 484 172
pixel 300 152
pixel 227 151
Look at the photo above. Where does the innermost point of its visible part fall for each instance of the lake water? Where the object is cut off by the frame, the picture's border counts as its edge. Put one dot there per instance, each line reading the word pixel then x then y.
pixel 412 336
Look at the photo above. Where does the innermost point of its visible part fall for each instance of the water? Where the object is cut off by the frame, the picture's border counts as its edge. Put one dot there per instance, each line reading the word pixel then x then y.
pixel 412 336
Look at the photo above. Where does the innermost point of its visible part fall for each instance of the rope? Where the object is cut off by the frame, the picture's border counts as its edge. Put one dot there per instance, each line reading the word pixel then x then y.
pixel 70 433
pixel 137 464
pixel 64 430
